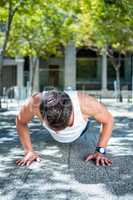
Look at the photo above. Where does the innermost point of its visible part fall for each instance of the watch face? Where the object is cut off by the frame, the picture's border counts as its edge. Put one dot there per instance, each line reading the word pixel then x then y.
pixel 102 150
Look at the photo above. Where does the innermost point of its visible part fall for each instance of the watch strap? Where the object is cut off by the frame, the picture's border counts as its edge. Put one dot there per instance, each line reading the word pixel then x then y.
pixel 100 150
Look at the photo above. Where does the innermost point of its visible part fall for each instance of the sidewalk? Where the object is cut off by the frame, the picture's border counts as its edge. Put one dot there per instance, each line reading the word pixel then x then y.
pixel 62 174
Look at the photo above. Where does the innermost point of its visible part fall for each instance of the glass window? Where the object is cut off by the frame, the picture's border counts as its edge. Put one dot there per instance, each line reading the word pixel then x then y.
pixel 86 69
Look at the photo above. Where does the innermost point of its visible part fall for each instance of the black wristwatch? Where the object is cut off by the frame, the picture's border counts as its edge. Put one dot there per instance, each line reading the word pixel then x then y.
pixel 100 150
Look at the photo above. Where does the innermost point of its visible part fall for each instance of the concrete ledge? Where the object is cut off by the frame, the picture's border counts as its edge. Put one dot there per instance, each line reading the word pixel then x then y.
pixel 109 93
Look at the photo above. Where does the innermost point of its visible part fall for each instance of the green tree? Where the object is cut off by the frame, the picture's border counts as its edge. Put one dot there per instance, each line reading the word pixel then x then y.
pixel 8 10
pixel 43 29
pixel 107 24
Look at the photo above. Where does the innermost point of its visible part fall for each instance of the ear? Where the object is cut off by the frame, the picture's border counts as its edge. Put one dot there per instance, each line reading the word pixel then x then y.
pixel 71 119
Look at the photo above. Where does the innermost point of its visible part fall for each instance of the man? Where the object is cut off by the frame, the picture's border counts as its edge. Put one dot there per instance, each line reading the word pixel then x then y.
pixel 65 115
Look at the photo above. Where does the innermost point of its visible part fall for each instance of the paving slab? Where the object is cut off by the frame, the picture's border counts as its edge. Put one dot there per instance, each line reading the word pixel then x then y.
pixel 62 173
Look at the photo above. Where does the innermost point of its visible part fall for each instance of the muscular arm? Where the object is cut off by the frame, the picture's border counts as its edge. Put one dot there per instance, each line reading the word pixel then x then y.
pixel 106 120
pixel 90 107
pixel 26 113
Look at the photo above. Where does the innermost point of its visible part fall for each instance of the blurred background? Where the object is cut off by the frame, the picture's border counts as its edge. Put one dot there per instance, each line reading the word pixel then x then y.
pixel 80 44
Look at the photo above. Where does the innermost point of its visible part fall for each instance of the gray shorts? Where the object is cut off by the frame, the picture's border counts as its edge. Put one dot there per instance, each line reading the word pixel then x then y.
pixel 87 126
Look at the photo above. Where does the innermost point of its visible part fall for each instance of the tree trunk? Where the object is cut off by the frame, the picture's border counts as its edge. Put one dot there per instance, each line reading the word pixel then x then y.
pixel 116 62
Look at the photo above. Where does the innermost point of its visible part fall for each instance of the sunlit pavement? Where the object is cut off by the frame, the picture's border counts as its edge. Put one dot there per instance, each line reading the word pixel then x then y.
pixel 62 173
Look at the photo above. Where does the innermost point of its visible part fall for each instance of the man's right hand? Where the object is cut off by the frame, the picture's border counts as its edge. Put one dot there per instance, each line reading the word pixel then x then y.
pixel 28 159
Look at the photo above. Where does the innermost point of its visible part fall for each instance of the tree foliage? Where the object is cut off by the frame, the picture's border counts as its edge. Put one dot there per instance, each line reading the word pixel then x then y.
pixel 44 27
pixel 8 10
pixel 107 22
pixel 41 29
pixel 37 28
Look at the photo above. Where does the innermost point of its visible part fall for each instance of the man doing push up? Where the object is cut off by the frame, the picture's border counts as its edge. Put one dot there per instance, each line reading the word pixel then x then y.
pixel 65 115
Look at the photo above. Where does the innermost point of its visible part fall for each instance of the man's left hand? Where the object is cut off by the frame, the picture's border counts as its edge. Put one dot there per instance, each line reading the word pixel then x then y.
pixel 99 158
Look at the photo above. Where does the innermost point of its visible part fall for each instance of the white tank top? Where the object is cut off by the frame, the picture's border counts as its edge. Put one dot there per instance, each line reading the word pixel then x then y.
pixel 70 133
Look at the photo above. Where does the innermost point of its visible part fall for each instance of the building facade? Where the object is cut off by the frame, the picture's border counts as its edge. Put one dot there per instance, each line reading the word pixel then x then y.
pixel 80 69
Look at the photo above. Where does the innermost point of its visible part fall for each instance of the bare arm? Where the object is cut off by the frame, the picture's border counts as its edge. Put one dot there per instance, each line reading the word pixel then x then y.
pixel 26 113
pixel 103 116
pixel 106 128
pixel 92 108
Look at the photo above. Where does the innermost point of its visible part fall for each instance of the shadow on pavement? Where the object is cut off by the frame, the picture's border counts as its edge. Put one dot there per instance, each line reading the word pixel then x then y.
pixel 62 173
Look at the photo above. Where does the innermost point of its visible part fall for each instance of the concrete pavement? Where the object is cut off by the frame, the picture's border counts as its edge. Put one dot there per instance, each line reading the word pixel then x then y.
pixel 62 173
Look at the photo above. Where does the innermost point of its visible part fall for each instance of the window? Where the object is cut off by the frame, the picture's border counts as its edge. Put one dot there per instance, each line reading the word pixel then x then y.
pixel 86 68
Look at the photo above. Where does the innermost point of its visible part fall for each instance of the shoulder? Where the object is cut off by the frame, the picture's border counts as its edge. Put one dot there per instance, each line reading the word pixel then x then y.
pixel 85 98
pixel 92 108
pixel 32 103
pixel 29 109
pixel 35 99
pixel 89 105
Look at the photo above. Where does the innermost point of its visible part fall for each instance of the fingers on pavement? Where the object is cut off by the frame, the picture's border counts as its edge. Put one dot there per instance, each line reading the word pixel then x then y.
pixel 90 157
pixel 98 161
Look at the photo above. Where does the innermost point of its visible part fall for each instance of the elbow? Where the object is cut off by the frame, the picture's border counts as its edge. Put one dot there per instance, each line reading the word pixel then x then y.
pixel 111 119
pixel 19 124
